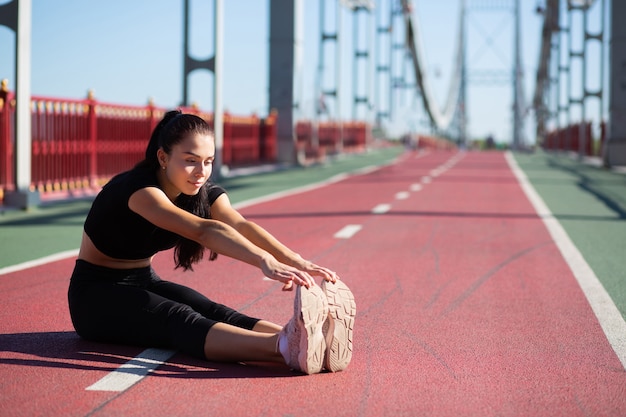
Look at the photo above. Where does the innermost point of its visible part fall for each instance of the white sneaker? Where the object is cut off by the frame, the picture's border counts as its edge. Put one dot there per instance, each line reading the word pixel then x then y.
pixel 305 340
pixel 339 327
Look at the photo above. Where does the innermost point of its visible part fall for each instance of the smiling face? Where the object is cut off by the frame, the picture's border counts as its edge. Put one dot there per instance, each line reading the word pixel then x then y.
pixel 188 166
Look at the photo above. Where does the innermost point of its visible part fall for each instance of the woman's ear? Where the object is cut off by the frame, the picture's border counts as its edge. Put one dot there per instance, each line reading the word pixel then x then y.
pixel 162 158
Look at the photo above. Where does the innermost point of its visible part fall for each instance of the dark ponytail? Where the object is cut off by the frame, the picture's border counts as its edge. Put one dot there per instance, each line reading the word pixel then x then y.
pixel 172 129
pixel 161 139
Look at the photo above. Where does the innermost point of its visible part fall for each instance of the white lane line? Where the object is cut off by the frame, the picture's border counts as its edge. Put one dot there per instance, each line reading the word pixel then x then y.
pixel 426 179
pixel 381 208
pixel 348 231
pixel 402 195
pixel 132 371
pixel 416 187
pixel 365 170
pixel 604 308
pixel 41 261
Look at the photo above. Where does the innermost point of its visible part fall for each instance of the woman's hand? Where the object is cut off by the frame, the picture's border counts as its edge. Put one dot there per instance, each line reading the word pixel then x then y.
pixel 286 274
pixel 316 270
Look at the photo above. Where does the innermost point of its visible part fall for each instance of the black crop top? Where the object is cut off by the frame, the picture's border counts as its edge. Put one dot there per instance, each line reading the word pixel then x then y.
pixel 119 232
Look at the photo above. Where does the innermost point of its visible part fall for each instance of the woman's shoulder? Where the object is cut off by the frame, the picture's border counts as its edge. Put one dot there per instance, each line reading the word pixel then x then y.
pixel 214 191
pixel 119 188
pixel 135 178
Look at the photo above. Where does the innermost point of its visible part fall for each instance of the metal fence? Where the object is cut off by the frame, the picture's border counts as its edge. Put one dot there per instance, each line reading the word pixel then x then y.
pixel 83 143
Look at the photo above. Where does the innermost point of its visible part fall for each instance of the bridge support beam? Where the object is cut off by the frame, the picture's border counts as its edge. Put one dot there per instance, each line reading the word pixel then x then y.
pixel 285 56
pixel 214 65
pixel 615 150
pixel 17 16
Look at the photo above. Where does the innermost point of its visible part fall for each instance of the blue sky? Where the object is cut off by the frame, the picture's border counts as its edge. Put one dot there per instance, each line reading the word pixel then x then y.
pixel 129 51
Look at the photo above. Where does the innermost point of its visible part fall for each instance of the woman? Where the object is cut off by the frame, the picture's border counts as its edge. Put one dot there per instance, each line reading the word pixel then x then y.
pixel 165 202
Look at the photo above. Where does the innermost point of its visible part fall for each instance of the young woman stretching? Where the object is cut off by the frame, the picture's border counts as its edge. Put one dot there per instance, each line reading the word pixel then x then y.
pixel 165 202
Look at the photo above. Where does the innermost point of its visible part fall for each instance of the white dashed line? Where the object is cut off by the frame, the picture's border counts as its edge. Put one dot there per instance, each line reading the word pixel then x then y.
pixel 381 208
pixel 426 180
pixel 132 371
pixel 416 187
pixel 348 231
pixel 402 195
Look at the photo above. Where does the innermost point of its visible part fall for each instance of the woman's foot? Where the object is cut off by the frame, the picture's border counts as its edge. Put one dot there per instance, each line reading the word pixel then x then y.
pixel 339 327
pixel 301 342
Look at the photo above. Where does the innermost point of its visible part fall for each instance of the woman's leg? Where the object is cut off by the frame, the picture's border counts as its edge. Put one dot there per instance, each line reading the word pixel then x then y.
pixel 207 307
pixel 227 343
pixel 264 326
pixel 300 344
pixel 236 337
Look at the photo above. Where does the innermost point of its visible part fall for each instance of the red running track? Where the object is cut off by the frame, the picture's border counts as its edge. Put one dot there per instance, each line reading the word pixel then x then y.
pixel 465 308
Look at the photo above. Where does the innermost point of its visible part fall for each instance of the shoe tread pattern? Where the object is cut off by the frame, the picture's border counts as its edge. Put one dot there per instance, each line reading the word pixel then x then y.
pixel 312 311
pixel 342 311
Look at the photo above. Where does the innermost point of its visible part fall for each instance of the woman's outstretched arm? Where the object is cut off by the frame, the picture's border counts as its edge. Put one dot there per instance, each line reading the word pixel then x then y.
pixel 153 205
pixel 223 211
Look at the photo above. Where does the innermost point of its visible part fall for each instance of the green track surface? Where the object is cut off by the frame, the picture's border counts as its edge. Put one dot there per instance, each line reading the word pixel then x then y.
pixel 590 204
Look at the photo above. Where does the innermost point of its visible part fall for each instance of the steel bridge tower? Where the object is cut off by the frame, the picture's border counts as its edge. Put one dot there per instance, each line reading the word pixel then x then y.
pixel 213 64
pixel 499 76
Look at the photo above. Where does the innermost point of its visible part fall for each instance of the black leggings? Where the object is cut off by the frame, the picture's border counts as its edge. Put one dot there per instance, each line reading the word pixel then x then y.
pixel 136 307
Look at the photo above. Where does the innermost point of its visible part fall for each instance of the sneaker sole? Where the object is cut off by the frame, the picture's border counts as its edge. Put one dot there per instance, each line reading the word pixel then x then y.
pixel 342 310
pixel 311 309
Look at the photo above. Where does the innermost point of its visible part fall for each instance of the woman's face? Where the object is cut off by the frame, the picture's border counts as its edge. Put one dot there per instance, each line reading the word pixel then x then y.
pixel 188 166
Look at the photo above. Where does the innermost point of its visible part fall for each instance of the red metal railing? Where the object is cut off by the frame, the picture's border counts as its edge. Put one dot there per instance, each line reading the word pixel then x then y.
pixel 83 143
pixel 435 143
pixel 79 144
pixel 6 137
pixel 332 137
pixel 568 139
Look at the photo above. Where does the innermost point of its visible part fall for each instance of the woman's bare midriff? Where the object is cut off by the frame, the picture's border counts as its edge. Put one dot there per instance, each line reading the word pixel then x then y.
pixel 88 252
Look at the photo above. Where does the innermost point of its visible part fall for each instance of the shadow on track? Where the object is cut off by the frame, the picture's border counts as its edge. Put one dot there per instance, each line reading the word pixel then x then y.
pixel 66 350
